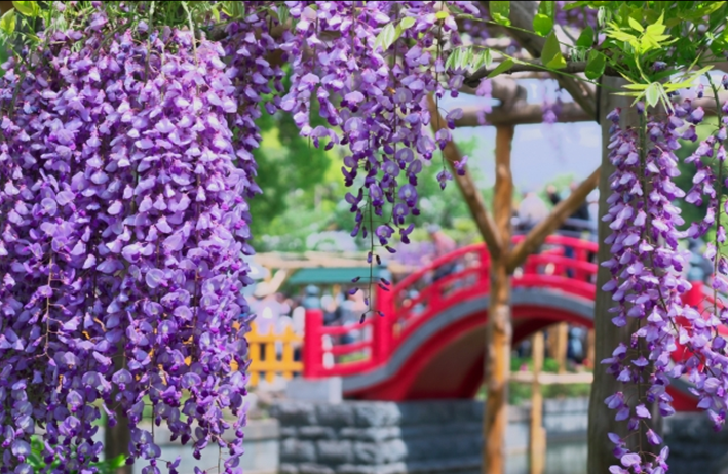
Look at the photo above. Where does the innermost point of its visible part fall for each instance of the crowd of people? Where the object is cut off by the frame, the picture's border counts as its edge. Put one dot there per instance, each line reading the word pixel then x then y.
pixel 533 209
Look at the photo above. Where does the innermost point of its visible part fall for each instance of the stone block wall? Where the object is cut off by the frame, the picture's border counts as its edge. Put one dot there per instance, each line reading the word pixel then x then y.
pixel 379 437
pixel 361 437
pixel 694 445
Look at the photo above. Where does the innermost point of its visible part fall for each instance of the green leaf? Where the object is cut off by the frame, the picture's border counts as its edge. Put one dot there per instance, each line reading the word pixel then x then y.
pixel 442 14
pixel 407 22
pixel 7 22
pixel 546 7
pixel 652 94
pixel 551 56
pixel 586 38
pixel 502 67
pixel 595 65
pixel 387 36
pixel 542 24
pixel 483 58
pixel 656 28
pixel 637 87
pixel 117 462
pixel 500 11
pixel 453 59
pixel 635 25
pixel 27 8
pixel 283 14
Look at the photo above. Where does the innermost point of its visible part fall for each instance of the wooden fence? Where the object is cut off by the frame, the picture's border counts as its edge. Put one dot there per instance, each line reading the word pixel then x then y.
pixel 273 354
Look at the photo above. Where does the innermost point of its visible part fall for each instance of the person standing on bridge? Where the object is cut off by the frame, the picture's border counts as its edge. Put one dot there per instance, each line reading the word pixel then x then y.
pixel 531 211
pixel 444 244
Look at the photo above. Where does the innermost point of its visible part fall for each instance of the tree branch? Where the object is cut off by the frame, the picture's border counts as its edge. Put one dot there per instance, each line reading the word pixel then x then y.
pixel 521 113
pixel 470 193
pixel 521 17
pixel 558 215
pixel 474 79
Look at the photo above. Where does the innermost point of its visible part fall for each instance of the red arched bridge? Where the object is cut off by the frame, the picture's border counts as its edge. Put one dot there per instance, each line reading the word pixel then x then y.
pixel 431 341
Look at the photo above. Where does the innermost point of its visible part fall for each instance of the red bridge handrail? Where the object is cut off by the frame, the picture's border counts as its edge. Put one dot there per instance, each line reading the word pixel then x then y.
pixel 467 278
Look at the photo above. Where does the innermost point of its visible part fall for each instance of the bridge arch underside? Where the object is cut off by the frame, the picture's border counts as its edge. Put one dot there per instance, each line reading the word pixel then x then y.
pixel 444 357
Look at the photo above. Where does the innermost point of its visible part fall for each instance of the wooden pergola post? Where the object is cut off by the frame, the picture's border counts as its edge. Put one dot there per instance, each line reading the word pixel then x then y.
pixel 499 330
pixel 537 438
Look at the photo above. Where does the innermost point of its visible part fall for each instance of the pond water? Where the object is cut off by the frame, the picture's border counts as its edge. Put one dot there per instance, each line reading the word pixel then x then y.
pixel 561 458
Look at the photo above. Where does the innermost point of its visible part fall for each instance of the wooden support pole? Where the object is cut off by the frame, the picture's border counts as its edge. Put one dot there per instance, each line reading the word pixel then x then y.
pixel 537 438
pixel 562 340
pixel 590 353
pixel 471 194
pixel 499 329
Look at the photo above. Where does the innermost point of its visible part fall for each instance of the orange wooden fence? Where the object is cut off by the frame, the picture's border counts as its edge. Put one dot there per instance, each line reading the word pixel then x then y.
pixel 278 356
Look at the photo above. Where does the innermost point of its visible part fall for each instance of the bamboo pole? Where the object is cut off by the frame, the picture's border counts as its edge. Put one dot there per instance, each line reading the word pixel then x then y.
pixel 499 333
pixel 537 438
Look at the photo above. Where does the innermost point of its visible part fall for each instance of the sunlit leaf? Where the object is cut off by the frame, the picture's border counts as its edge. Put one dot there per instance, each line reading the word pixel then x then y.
pixel 656 28
pixel 652 94
pixel 551 55
pixel 542 24
pixel 7 22
pixel 500 11
pixel 407 23
pixel 442 14
pixel 482 58
pixel 387 36
pixel 635 25
pixel 27 8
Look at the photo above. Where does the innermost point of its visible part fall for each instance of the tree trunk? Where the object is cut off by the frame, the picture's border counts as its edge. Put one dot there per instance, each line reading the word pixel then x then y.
pixel 499 334
pixel 607 335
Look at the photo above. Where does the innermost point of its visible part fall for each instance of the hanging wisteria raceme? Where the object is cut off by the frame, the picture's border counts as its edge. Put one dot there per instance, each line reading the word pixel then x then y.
pixel 707 368
pixel 247 46
pixel 647 282
pixel 382 111
pixel 123 219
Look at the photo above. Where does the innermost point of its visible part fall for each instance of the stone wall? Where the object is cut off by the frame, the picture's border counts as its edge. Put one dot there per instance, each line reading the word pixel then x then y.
pixel 694 445
pixel 261 450
pixel 357 437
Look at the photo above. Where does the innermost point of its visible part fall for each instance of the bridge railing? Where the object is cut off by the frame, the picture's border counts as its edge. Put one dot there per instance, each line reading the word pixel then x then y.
pixel 565 263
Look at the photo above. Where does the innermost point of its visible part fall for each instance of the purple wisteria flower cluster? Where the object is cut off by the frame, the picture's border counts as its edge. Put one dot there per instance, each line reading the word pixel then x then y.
pixel 648 278
pixel 707 368
pixel 125 169
pixel 374 98
pixel 123 218
pixel 647 281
